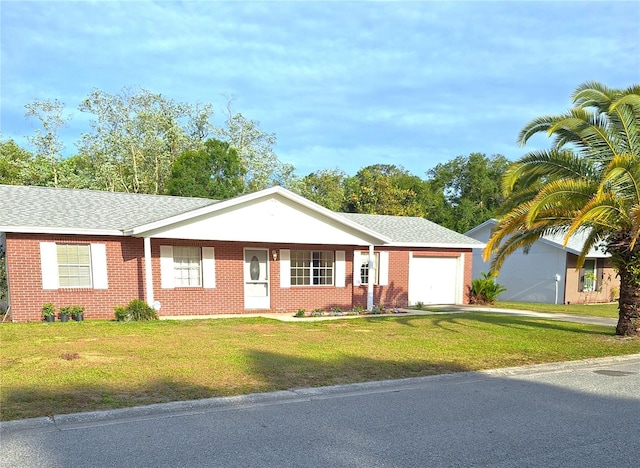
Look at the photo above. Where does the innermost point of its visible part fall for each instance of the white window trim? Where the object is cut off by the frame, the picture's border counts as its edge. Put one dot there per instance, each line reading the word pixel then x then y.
pixel 383 267
pixel 340 268
pixel 285 268
pixel 333 269
pixel 207 268
pixel 49 266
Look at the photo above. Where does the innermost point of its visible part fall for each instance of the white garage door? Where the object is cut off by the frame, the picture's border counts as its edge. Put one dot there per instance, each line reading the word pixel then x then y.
pixel 434 280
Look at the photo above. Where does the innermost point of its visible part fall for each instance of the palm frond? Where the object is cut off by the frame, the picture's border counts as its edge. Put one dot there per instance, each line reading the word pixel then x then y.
pixel 593 238
pixel 593 94
pixel 566 197
pixel 547 165
pixel 622 177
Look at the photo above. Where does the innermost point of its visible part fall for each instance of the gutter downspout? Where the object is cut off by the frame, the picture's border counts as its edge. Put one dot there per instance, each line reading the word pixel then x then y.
pixel 370 283
pixel 148 272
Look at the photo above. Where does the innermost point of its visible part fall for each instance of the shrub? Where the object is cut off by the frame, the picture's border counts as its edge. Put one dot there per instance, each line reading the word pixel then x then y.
pixel 301 313
pixel 65 311
pixel 136 310
pixel 48 310
pixel 358 309
pixel 121 314
pixel 419 305
pixel 485 290
pixel 76 310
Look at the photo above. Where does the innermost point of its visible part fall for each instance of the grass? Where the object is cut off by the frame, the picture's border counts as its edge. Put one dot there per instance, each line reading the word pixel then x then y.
pixel 594 310
pixel 83 366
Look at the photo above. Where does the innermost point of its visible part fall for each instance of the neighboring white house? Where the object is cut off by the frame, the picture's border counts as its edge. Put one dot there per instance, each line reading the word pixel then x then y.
pixel 547 273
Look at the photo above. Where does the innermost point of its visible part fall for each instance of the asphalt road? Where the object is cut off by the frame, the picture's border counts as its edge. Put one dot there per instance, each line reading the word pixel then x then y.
pixel 582 414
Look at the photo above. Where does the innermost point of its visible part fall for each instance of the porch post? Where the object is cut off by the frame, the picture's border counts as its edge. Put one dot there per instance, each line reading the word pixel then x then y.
pixel 148 275
pixel 370 282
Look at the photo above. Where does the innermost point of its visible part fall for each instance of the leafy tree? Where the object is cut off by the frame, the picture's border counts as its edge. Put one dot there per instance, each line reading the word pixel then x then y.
pixel 261 164
pixel 471 187
pixel 379 189
pixel 214 171
pixel 77 172
pixel 47 141
pixel 325 187
pixel 588 180
pixel 14 162
pixel 137 135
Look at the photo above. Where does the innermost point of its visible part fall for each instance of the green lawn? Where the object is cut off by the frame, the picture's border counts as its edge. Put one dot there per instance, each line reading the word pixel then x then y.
pixel 81 366
pixel 594 310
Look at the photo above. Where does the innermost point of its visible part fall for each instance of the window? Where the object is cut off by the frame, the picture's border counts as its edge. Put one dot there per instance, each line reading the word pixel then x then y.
pixel 311 268
pixel 74 265
pixel 589 278
pixel 364 268
pixel 186 266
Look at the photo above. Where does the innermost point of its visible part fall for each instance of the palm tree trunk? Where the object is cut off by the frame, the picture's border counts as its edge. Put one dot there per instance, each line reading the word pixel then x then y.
pixel 628 305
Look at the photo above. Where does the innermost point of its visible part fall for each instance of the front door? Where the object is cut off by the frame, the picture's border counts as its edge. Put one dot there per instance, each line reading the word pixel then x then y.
pixel 256 279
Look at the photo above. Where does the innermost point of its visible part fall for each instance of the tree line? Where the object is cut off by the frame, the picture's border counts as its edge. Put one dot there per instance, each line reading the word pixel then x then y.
pixel 142 142
pixel 587 181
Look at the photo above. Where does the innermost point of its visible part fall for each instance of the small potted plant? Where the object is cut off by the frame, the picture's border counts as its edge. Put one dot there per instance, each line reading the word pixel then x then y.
pixel 64 314
pixel 49 312
pixel 77 312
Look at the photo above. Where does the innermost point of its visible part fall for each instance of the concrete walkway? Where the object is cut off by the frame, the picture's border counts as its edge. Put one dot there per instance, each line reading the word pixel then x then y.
pixel 434 309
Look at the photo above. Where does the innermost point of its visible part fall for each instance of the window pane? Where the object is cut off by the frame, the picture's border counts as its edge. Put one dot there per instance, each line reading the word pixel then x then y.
pixel 74 265
pixel 308 267
pixel 589 275
pixel 364 268
pixel 186 266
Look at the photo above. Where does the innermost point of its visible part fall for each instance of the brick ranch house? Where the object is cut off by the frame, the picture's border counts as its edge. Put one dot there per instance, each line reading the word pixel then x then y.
pixel 271 250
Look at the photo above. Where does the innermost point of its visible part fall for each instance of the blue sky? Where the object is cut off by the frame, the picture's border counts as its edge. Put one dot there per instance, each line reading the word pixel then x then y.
pixel 342 84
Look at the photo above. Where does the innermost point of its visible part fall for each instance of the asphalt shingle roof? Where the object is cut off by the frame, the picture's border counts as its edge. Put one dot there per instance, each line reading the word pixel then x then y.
pixel 49 207
pixel 410 230
pixel 72 209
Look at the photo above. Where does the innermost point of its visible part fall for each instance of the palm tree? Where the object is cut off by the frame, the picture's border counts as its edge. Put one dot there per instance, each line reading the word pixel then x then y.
pixel 589 180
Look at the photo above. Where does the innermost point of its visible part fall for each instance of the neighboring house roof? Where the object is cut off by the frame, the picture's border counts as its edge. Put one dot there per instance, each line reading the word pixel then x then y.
pixel 73 211
pixel 574 244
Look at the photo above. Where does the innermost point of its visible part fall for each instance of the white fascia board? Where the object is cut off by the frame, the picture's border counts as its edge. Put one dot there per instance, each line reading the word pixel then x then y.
pixel 436 245
pixel 140 230
pixel 488 222
pixel 52 230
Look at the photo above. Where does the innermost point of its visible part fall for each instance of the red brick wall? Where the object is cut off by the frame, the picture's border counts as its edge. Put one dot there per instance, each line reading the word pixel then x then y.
pixel 125 273
pixel 311 297
pixel 396 293
pixel 125 259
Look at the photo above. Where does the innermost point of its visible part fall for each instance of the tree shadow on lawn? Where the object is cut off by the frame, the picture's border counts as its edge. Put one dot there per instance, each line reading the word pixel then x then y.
pixel 267 372
pixel 35 402
pixel 283 371
pixel 467 319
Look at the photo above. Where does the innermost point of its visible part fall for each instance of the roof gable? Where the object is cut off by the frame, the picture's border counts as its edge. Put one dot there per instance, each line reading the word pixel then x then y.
pixel 273 215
